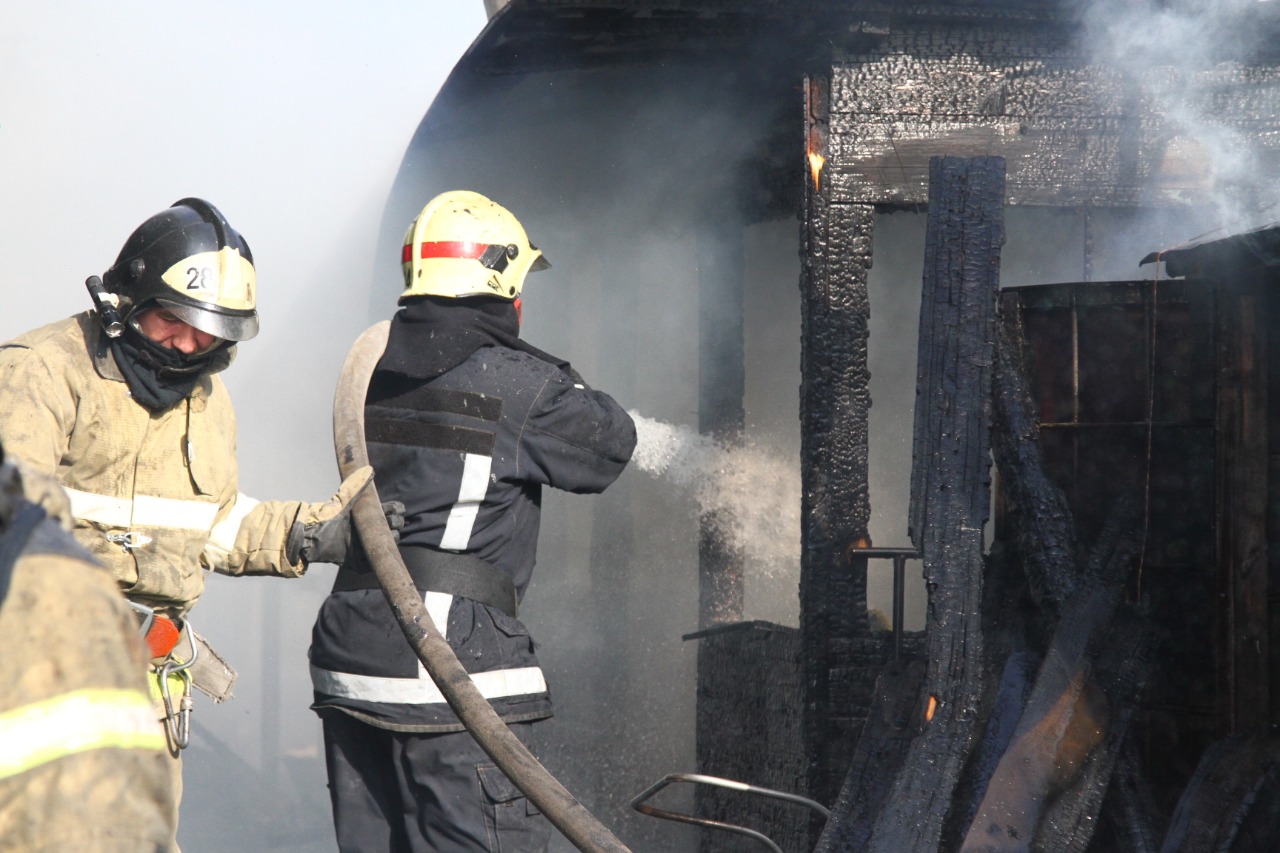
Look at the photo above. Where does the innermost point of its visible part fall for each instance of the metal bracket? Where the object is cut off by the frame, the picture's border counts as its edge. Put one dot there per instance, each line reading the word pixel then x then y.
pixel 899 557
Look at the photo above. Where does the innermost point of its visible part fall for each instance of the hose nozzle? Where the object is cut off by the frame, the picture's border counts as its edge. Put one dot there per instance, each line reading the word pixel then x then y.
pixel 104 302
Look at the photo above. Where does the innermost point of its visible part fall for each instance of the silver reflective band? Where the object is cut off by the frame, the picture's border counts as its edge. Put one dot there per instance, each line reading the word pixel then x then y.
pixel 142 511
pixel 422 690
pixel 76 722
pixel 462 518
pixel 521 681
pixel 222 538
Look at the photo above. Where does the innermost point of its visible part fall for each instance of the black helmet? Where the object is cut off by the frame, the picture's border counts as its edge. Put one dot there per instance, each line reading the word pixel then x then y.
pixel 189 260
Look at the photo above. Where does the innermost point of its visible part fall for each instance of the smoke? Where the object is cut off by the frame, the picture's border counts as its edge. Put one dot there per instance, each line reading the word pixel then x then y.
pixel 749 493
pixel 1184 61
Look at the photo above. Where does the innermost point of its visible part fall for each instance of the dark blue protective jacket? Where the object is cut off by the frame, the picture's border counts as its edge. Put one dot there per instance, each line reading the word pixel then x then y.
pixel 467 452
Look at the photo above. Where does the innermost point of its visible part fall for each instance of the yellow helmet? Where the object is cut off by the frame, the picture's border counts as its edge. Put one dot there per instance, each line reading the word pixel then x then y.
pixel 463 244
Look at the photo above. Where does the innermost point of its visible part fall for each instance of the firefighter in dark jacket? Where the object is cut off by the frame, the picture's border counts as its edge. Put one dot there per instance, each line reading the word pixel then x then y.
pixel 465 423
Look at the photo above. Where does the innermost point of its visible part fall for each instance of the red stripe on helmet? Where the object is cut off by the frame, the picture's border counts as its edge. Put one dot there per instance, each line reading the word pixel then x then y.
pixel 451 249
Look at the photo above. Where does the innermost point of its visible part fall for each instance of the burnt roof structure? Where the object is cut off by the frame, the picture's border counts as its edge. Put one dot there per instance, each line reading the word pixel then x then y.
pixel 1259 247
pixel 544 35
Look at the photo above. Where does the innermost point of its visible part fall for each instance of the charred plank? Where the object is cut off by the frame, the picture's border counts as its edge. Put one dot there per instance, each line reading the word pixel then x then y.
pixel 1231 803
pixel 894 720
pixel 950 486
pixel 1068 714
pixel 1123 652
pixel 1040 518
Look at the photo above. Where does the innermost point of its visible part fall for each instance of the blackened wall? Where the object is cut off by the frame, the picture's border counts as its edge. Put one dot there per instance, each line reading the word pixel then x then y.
pixel 1073 128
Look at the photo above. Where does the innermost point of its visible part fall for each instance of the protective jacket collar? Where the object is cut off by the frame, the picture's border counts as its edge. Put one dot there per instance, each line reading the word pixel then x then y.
pixel 432 335
pixel 111 364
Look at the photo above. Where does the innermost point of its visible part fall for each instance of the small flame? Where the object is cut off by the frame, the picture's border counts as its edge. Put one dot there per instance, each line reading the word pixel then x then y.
pixel 933 706
pixel 814 147
pixel 815 166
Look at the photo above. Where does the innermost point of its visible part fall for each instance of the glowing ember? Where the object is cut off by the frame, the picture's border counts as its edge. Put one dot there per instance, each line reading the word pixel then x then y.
pixel 933 706
pixel 815 166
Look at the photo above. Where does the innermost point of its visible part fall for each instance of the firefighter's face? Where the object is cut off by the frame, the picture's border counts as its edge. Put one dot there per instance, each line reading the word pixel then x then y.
pixel 163 327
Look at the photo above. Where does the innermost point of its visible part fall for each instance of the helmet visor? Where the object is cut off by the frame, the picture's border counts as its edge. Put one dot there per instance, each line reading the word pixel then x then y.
pixel 230 325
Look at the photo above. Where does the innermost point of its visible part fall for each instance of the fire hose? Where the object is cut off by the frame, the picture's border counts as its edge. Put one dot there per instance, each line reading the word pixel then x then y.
pixel 511 756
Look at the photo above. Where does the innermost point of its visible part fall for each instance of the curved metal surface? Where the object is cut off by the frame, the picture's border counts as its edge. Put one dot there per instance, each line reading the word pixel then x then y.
pixel 561 808
pixel 639 805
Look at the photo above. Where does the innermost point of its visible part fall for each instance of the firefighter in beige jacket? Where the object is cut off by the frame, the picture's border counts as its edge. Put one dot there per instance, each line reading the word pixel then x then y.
pixel 82 763
pixel 124 407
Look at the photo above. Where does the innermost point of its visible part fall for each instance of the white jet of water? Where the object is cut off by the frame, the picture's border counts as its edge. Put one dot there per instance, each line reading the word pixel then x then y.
pixel 752 492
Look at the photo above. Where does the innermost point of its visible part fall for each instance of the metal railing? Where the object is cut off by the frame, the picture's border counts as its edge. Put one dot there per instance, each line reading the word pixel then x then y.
pixel 639 805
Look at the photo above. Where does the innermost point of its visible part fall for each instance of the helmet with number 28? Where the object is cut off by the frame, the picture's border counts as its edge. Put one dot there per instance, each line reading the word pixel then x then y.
pixel 189 260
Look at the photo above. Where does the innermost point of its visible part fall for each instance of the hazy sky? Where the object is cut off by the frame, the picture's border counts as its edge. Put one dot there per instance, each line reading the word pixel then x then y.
pixel 290 116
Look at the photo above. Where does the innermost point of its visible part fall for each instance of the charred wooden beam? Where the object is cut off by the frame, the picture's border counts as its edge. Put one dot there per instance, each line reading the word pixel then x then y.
pixel 1122 653
pixel 950 487
pixel 1114 661
pixel 1241 466
pixel 1129 812
pixel 1031 568
pixel 835 506
pixel 1233 801
pixel 891 724
pixel 1067 714
pixel 1000 712
pixel 1027 573
pixel 1040 521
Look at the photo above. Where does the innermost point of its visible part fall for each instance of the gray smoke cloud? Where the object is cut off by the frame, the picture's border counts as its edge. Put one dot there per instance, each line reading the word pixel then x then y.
pixel 1185 60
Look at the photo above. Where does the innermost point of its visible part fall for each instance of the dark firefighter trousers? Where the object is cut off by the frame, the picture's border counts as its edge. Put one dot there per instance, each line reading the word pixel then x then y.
pixel 424 793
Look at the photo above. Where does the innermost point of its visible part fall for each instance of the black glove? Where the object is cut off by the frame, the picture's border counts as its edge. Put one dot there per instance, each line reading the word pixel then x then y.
pixel 329 541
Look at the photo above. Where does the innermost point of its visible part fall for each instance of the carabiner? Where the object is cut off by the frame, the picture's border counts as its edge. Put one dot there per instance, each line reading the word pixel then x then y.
pixel 178 725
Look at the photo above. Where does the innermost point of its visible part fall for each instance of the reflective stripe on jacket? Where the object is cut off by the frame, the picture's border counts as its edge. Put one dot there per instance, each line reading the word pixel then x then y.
pixel 83 760
pixel 75 722
pixel 154 495
pixel 467 453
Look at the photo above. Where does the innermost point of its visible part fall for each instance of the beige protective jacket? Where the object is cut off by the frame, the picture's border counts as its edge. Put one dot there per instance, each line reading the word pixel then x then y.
pixel 154 495
pixel 83 763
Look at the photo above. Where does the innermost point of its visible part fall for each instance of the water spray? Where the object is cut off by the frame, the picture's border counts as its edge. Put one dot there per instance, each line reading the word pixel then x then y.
pixel 750 491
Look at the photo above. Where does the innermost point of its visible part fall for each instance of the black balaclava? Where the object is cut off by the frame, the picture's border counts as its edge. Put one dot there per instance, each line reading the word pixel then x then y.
pixel 158 377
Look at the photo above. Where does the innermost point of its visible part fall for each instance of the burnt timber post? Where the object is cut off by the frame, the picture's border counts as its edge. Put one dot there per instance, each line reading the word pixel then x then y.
pixel 835 251
pixel 1242 491
pixel 950 487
